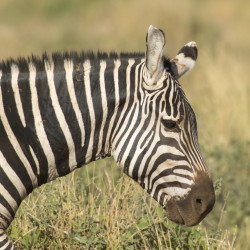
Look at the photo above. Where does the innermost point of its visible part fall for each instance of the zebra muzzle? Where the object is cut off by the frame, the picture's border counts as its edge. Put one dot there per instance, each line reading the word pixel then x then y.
pixel 194 207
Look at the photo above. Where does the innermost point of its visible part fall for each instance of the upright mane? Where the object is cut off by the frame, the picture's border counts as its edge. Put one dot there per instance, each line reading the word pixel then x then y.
pixel 75 56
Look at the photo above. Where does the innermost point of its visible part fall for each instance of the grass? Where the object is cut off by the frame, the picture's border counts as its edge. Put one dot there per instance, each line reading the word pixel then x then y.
pixel 97 207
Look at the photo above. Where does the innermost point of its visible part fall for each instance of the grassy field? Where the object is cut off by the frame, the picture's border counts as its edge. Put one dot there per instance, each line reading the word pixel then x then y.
pixel 97 207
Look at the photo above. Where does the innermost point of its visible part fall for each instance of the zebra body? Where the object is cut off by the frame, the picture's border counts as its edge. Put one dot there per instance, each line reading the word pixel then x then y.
pixel 61 112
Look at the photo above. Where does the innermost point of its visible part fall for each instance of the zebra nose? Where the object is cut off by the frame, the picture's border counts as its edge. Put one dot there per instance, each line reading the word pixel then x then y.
pixel 203 202
pixel 192 209
pixel 199 202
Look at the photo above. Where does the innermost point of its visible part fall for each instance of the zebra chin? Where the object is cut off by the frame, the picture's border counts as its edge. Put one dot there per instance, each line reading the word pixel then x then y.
pixel 194 207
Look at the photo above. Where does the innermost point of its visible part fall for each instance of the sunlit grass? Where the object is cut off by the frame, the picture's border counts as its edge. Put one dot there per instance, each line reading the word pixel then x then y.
pixel 110 212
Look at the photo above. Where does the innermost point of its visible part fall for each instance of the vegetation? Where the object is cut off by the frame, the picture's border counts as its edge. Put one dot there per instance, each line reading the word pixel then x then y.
pixel 97 207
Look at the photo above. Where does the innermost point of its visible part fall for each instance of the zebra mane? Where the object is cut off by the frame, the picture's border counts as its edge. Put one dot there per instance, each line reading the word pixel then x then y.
pixel 58 57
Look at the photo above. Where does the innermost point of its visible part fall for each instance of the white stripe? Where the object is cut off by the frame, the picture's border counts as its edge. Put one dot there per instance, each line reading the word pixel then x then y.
pixel 174 178
pixel 183 171
pixel 16 91
pixel 104 104
pixel 35 159
pixel 168 164
pixel 87 68
pixel 132 126
pixel 13 177
pixel 40 131
pixel 68 65
pixel 5 213
pixel 152 126
pixel 7 196
pixel 161 150
pixel 14 141
pixel 130 63
pixel 2 238
pixel 171 97
pixel 140 149
pixel 49 67
pixel 116 87
pixel 172 192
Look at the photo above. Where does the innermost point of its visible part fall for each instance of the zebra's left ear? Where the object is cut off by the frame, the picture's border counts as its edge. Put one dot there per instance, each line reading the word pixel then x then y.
pixel 185 59
pixel 154 55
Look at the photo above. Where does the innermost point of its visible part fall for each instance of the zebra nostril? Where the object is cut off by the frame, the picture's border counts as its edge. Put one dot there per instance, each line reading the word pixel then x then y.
pixel 198 201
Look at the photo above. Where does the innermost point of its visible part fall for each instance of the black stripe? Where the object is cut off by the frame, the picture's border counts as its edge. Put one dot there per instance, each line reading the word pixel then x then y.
pixel 29 133
pixel 168 104
pixel 66 104
pixel 52 128
pixel 78 79
pixel 167 185
pixel 110 96
pixel 160 159
pixel 10 154
pixel 9 246
pixel 122 92
pixel 5 203
pixel 133 149
pixel 125 129
pixel 168 172
pixel 22 134
pixel 10 187
pixel 97 104
pixel 4 242
pixel 189 51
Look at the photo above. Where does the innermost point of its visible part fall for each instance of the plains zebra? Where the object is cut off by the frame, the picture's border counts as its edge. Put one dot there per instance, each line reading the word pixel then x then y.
pixel 61 112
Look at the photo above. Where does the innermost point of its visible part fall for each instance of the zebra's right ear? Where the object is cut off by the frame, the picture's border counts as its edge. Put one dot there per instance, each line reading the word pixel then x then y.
pixel 154 55
pixel 185 59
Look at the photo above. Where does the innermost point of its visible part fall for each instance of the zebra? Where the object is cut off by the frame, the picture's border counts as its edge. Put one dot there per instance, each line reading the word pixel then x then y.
pixel 63 111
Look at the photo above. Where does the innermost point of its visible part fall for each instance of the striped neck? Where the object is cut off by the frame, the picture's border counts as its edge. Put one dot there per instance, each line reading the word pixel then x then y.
pixel 107 89
pixel 70 105
pixel 111 89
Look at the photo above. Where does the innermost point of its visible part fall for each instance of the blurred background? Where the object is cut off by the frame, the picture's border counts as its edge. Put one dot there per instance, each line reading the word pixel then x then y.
pixel 218 88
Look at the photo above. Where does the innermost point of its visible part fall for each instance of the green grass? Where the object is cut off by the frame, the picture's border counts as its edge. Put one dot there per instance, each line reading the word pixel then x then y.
pixel 98 207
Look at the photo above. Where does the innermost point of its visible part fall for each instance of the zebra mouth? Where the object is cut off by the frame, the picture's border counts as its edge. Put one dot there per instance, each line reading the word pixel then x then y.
pixel 192 209
pixel 173 212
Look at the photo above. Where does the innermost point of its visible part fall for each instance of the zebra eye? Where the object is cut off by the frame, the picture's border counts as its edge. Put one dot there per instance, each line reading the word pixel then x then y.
pixel 170 125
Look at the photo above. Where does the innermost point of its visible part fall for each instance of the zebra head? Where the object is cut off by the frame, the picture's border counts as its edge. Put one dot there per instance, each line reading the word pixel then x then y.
pixel 158 144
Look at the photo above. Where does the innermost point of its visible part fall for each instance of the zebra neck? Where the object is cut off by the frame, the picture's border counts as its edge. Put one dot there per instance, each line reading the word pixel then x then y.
pixel 108 86
pixel 63 113
pixel 91 108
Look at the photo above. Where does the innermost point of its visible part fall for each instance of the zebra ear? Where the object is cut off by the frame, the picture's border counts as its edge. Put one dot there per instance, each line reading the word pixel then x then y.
pixel 154 54
pixel 185 59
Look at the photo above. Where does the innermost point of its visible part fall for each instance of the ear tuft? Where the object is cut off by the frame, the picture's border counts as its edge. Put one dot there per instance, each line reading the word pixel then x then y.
pixel 185 59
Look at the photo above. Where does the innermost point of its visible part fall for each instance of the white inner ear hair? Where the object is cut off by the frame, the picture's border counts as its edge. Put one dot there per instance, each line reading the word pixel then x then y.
pixel 183 64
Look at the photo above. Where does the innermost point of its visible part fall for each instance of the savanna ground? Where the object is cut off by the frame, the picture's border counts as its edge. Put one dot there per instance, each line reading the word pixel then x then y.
pixel 97 207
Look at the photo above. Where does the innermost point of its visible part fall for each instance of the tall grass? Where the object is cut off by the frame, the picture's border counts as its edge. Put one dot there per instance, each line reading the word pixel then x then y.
pixel 97 207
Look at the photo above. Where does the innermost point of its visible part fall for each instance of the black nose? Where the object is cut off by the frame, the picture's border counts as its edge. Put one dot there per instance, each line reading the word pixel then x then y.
pixel 203 201
pixel 193 208
pixel 199 202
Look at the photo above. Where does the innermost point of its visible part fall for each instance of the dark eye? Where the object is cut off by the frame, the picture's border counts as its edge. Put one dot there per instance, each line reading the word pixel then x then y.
pixel 170 125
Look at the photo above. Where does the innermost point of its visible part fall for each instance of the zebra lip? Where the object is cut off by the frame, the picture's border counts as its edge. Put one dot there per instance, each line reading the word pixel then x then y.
pixel 173 213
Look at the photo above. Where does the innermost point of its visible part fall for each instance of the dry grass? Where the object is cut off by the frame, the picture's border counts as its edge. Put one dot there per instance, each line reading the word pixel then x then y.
pixel 109 213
